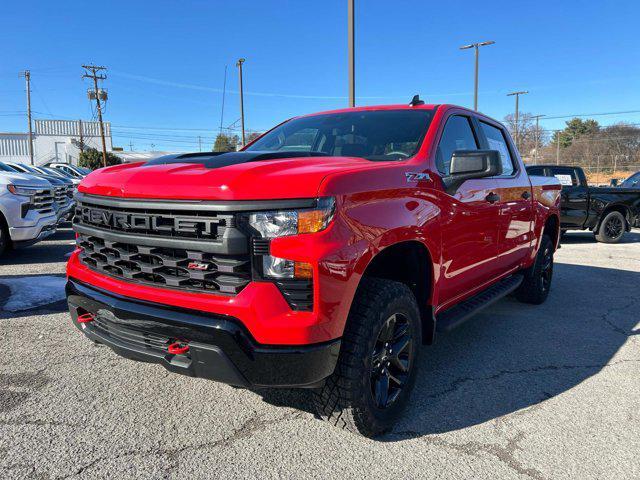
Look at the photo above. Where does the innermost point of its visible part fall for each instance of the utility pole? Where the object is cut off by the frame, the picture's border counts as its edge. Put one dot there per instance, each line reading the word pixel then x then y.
pixel 81 135
pixel 199 143
pixel 95 77
pixel 130 146
pixel 239 65
pixel 27 76
pixel 352 55
pixel 558 148
pixel 476 46
pixel 517 95
pixel 224 91
pixel 537 117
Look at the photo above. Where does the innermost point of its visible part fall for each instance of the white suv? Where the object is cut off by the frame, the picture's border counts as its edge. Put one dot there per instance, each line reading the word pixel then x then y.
pixel 27 210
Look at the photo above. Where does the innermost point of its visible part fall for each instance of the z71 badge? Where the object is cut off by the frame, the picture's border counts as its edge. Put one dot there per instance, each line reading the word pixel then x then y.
pixel 417 177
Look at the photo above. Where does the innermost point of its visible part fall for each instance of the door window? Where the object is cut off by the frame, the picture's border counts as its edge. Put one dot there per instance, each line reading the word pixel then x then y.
pixel 497 141
pixel 457 135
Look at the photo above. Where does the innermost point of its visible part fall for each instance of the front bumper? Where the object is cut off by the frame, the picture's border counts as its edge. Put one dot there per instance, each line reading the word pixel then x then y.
pixel 25 236
pixel 220 348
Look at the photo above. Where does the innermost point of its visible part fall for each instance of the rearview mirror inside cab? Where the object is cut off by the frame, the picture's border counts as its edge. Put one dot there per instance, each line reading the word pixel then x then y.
pixel 468 164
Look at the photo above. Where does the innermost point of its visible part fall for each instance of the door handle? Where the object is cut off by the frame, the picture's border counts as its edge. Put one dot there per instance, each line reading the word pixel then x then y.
pixel 526 195
pixel 492 197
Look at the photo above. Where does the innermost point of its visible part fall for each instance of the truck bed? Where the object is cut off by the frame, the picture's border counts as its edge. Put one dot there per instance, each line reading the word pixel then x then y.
pixel 546 190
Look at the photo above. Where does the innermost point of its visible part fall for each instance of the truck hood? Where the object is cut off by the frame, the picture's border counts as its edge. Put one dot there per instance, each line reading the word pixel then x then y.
pixel 228 176
pixel 23 179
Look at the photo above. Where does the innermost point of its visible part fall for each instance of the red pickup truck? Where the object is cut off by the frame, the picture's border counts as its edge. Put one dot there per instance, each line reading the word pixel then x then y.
pixel 320 256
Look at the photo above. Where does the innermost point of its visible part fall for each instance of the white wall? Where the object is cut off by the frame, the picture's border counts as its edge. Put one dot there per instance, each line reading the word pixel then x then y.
pixel 53 140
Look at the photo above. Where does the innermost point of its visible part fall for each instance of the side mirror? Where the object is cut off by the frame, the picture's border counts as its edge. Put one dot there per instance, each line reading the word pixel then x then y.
pixel 468 164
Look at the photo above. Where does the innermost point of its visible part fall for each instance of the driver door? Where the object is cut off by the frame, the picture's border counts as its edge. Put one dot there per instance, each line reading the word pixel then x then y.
pixel 469 219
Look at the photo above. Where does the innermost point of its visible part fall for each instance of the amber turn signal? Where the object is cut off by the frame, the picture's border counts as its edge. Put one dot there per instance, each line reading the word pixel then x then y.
pixel 302 270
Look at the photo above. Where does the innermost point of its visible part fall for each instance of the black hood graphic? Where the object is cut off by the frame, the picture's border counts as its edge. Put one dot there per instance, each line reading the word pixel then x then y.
pixel 225 159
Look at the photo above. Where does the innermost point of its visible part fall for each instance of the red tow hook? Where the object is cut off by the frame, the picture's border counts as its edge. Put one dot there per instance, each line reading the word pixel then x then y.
pixel 86 318
pixel 177 348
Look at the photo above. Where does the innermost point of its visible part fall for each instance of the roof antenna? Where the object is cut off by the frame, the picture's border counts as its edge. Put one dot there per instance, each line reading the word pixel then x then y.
pixel 416 101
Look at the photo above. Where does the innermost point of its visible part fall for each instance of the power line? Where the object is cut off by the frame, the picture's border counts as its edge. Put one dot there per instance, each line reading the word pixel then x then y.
pixel 576 115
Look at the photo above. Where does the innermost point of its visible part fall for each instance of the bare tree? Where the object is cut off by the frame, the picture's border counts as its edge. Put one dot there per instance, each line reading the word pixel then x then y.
pixel 529 137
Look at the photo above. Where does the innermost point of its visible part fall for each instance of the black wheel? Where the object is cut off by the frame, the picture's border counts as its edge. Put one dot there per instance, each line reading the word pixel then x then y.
pixel 537 278
pixel 376 368
pixel 612 228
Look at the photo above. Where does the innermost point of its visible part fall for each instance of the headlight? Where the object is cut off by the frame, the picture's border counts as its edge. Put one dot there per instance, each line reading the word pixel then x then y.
pixel 291 222
pixel 20 190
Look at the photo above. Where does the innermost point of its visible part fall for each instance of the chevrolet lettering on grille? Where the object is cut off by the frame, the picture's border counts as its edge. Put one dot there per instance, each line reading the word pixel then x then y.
pixel 158 223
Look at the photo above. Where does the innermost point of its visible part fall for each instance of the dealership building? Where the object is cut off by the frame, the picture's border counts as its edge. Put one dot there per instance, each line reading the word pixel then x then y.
pixel 54 141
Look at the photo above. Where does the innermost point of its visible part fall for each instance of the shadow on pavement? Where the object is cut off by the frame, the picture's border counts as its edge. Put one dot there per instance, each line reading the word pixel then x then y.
pixel 514 356
pixel 43 252
pixel 57 306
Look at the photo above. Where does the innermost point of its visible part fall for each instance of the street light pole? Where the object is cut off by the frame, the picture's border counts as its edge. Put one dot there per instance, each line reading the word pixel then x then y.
pixel 352 56
pixel 517 95
pixel 476 47
pixel 239 65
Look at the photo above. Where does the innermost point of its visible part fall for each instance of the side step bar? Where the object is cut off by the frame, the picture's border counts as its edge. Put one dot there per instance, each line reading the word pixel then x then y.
pixel 458 314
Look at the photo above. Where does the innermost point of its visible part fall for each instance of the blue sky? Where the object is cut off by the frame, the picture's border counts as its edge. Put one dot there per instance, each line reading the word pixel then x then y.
pixel 166 60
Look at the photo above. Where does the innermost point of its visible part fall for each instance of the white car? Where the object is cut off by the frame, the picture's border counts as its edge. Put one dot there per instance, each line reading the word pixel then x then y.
pixel 27 210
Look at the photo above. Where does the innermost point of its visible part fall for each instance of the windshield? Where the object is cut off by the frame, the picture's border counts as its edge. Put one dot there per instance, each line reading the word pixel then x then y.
pixel 59 172
pixel 374 135
pixel 54 172
pixel 27 168
pixel 632 181
pixel 6 168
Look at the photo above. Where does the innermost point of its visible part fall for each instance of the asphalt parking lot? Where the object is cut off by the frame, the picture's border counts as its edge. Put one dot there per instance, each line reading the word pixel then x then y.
pixel 541 392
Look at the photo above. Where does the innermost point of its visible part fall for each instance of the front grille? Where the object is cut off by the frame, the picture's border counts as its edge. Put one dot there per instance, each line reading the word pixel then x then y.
pixel 170 267
pixel 201 225
pixel 199 250
pixel 135 338
pixel 43 201
pixel 61 197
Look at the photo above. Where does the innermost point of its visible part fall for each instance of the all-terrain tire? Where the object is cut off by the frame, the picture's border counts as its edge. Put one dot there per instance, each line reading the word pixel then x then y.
pixel 537 278
pixel 347 398
pixel 611 228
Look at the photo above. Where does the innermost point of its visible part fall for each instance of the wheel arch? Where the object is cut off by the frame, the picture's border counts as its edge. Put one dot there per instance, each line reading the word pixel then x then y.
pixel 409 262
pixel 616 207
pixel 552 229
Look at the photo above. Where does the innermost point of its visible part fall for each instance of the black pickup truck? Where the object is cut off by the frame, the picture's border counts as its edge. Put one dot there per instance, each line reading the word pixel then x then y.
pixel 608 212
